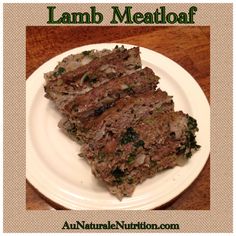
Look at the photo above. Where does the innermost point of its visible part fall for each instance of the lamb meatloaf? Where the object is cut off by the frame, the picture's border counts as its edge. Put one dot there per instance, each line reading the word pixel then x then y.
pixel 127 127
pixel 154 143
pixel 97 100
pixel 93 69
pixel 127 110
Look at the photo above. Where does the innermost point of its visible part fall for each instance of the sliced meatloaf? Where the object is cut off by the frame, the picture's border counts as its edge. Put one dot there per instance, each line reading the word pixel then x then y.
pixel 127 110
pixel 128 130
pixel 99 99
pixel 62 87
pixel 152 144
pixel 74 61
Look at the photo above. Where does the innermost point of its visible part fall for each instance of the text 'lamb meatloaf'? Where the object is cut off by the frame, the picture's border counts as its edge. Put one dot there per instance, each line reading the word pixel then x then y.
pixel 127 126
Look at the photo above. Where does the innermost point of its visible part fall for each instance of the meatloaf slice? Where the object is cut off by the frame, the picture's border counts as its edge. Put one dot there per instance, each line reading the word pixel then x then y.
pixel 100 70
pixel 128 110
pixel 141 150
pixel 74 61
pixel 99 99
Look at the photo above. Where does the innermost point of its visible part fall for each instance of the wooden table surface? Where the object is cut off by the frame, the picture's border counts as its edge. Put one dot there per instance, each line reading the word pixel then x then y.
pixel 188 46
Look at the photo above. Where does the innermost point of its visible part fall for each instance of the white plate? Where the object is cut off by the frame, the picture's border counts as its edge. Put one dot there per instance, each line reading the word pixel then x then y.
pixel 55 169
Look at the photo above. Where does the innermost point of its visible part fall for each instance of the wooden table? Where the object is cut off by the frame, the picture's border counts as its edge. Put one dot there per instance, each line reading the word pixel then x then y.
pixel 188 46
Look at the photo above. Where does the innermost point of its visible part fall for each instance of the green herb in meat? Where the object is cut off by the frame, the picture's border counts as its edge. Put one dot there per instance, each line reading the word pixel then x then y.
pixel 140 143
pixel 60 71
pixel 86 53
pixel 129 136
pixel 191 143
pixel 192 123
pixel 118 180
pixel 118 174
pixel 131 157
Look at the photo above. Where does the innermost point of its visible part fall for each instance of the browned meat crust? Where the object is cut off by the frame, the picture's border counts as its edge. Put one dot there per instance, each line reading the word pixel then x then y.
pixel 128 110
pixel 118 63
pixel 99 99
